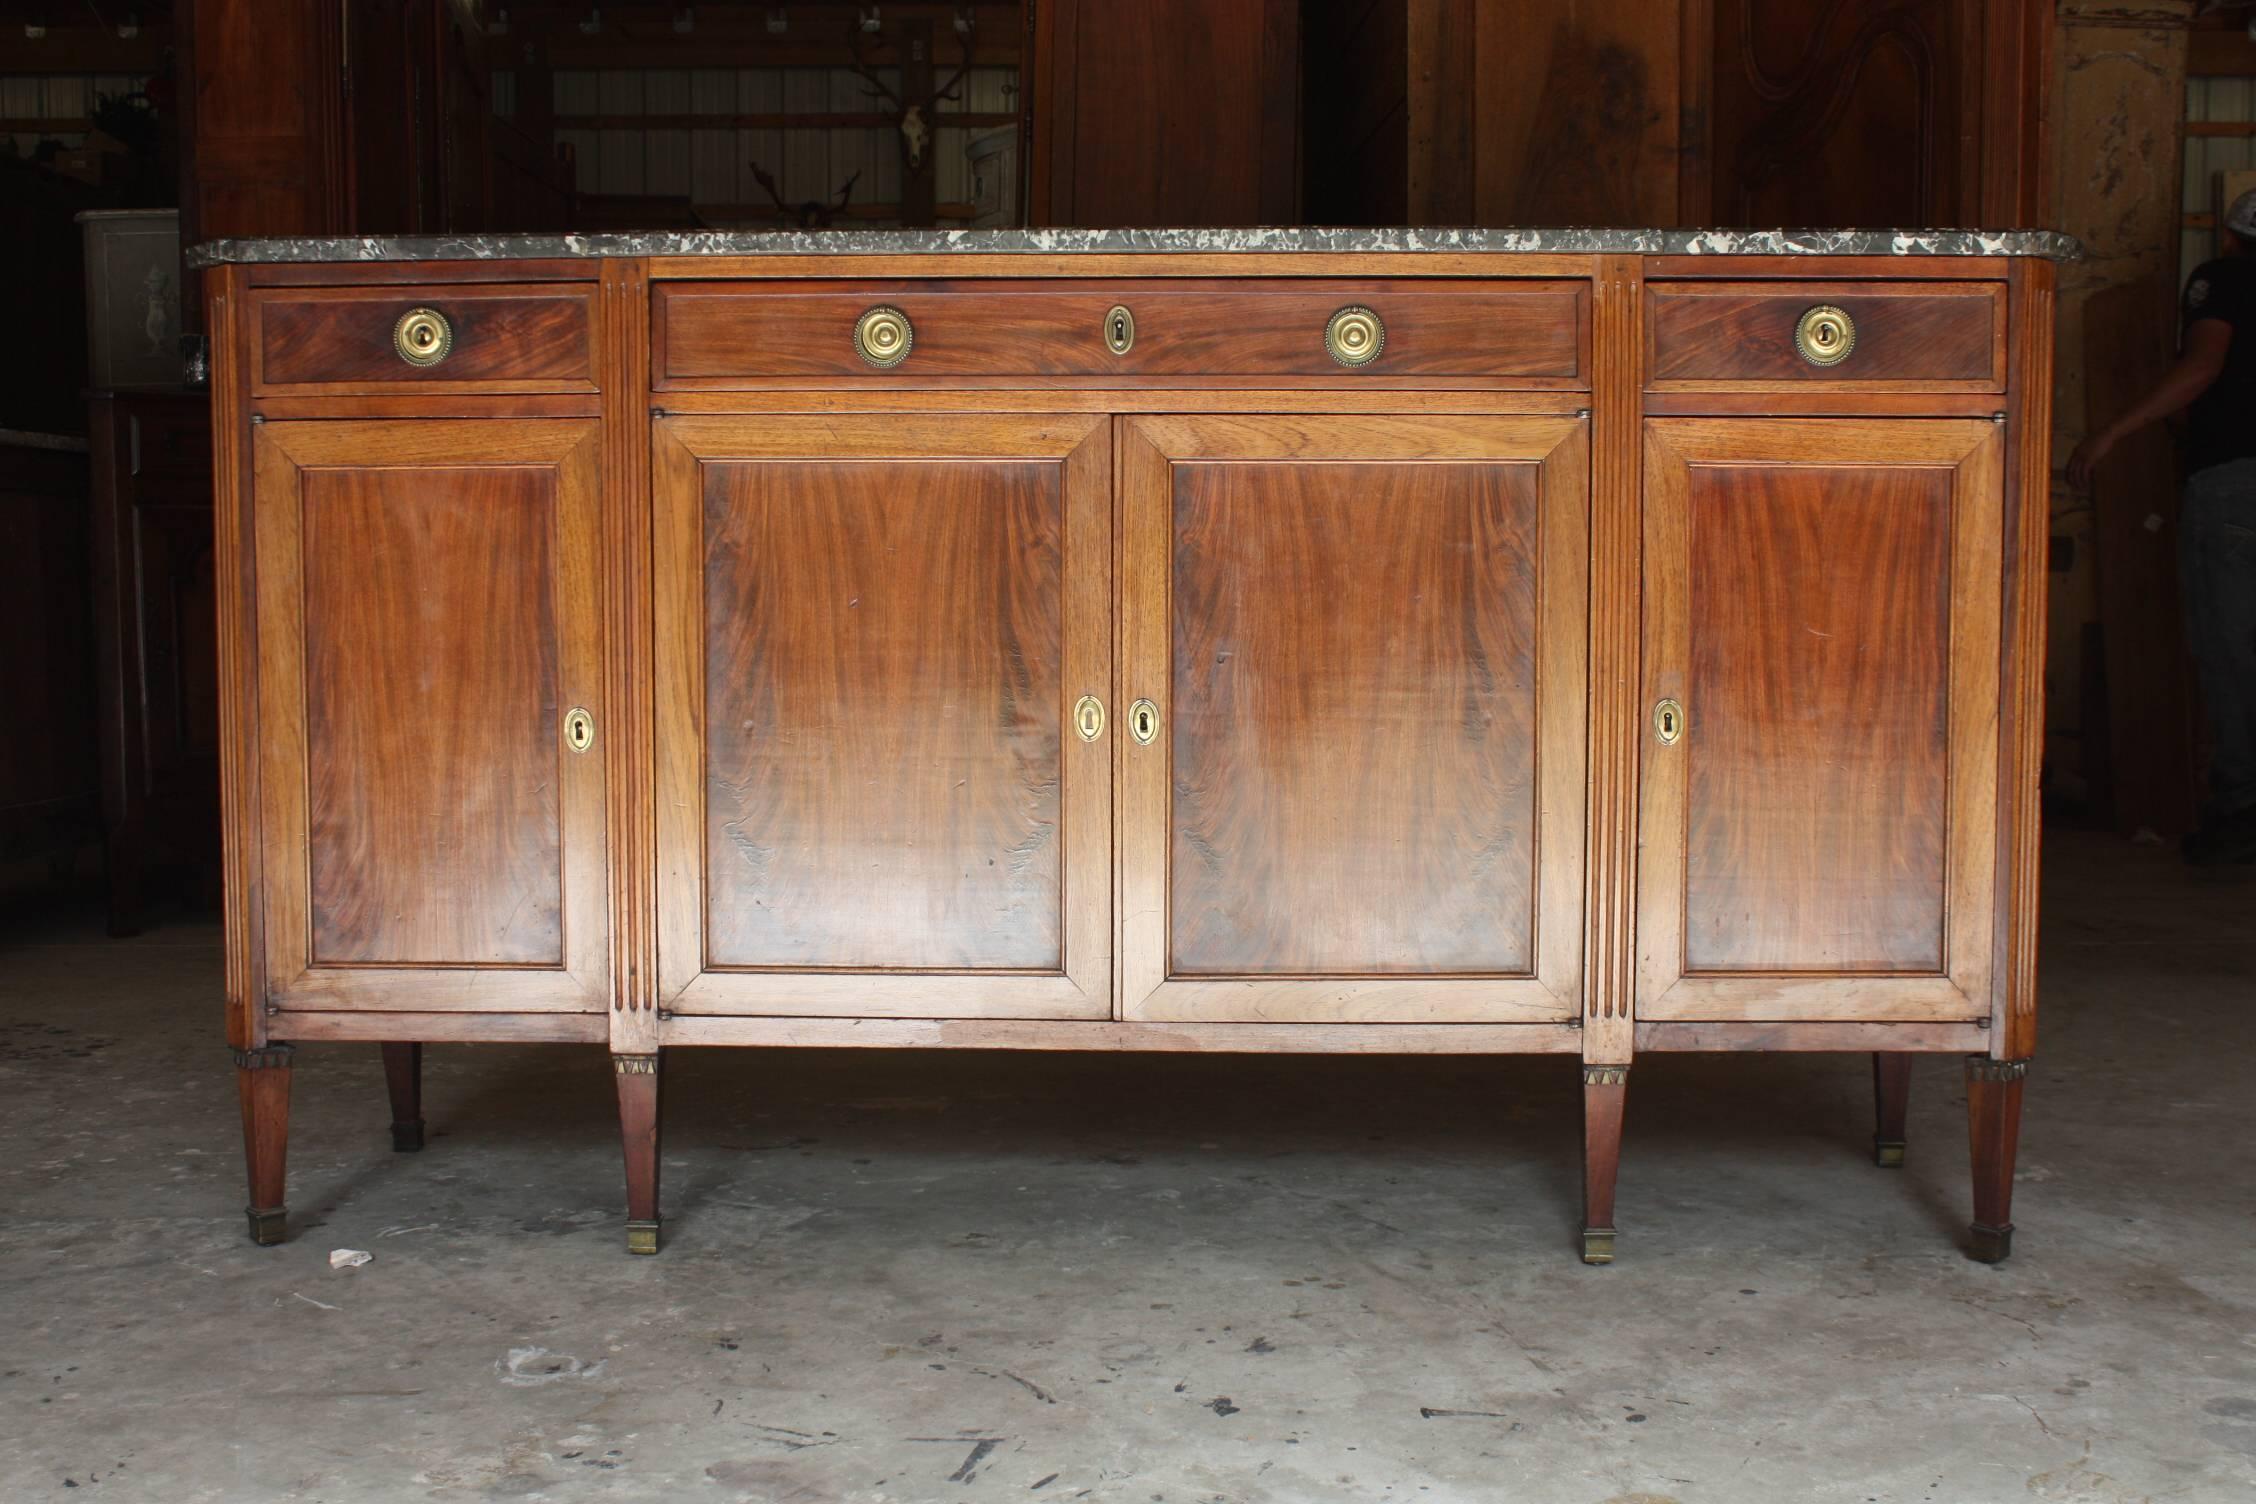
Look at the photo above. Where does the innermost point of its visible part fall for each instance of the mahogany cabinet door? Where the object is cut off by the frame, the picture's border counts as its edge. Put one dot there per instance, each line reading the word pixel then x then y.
pixel 874 796
pixel 1821 626
pixel 1362 642
pixel 429 633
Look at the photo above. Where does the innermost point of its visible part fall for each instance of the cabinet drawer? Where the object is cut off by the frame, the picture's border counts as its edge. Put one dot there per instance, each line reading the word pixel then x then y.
pixel 493 338
pixel 1917 336
pixel 1529 334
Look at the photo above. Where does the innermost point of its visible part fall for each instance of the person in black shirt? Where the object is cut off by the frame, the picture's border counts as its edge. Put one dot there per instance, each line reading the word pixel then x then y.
pixel 2214 377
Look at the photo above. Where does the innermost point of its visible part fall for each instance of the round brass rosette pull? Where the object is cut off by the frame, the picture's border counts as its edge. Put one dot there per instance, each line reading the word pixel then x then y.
pixel 884 336
pixel 423 337
pixel 1355 336
pixel 1825 335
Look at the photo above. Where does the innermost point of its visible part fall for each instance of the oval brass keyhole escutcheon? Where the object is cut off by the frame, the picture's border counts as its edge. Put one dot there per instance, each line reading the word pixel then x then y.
pixel 423 337
pixel 1143 722
pixel 884 336
pixel 579 729
pixel 1088 717
pixel 1120 330
pixel 1355 336
pixel 1825 335
pixel 1668 722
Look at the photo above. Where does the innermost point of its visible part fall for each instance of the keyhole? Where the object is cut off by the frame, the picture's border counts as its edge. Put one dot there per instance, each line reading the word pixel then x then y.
pixel 1143 722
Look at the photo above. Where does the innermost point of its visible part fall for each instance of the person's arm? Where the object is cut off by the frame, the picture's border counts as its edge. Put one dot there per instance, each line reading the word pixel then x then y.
pixel 2197 366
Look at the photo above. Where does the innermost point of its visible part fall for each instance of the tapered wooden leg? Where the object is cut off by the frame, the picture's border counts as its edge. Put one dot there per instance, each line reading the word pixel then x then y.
pixel 1993 1115
pixel 638 1130
pixel 1605 1091
pixel 403 1075
pixel 262 1080
pixel 1891 1100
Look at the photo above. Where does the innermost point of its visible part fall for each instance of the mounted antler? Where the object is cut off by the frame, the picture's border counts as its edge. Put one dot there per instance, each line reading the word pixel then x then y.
pixel 814 214
pixel 914 120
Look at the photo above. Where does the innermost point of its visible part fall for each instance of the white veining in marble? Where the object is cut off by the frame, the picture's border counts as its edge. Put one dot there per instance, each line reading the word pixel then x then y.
pixel 1567 241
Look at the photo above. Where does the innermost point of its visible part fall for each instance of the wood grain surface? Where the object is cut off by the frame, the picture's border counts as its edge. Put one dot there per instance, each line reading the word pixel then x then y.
pixel 427 613
pixel 1822 598
pixel 431 716
pixel 871 635
pixel 506 339
pixel 884 651
pixel 1939 335
pixel 1353 712
pixel 717 333
pixel 1364 636
pixel 1819 622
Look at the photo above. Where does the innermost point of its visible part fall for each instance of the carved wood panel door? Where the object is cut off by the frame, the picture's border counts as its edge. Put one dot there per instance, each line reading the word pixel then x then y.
pixel 877 792
pixel 430 690
pixel 1353 657
pixel 1818 821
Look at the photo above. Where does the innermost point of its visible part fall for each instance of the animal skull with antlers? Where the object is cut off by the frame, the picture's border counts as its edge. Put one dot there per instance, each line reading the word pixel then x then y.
pixel 913 118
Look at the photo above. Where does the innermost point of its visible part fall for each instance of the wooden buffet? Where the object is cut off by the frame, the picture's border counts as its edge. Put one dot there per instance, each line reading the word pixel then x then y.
pixel 1591 643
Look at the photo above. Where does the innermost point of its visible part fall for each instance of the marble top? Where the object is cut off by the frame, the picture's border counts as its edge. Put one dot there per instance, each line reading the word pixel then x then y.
pixel 1570 241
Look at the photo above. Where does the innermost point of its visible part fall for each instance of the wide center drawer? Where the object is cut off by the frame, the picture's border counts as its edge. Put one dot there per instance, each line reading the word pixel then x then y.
pixel 1427 332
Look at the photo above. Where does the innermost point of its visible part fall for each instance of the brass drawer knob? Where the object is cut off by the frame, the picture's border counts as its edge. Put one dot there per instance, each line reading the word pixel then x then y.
pixel 1355 336
pixel 423 337
pixel 1825 335
pixel 883 336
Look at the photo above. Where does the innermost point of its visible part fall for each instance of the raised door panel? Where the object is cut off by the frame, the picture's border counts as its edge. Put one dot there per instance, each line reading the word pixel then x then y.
pixel 429 620
pixel 1363 643
pixel 873 635
pixel 1821 607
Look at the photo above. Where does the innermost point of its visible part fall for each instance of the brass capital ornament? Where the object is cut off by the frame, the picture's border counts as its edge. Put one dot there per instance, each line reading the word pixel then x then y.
pixel 635 1065
pixel 1983 1068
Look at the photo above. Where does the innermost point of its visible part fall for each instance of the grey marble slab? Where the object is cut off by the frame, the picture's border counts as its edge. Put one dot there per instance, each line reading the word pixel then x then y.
pixel 1591 241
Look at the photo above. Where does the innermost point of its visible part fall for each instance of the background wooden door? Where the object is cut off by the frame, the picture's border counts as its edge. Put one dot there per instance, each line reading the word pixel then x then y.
pixel 429 615
pixel 872 635
pixel 1821 599
pixel 1165 112
pixel 1363 638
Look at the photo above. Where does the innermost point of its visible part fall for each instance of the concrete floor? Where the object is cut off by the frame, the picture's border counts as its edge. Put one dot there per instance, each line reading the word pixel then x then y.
pixel 938 1277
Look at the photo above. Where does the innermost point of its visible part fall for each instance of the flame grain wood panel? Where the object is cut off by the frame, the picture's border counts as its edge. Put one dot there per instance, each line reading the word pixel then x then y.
pixel 1378 656
pixel 426 619
pixel 878 630
pixel 432 722
pixel 1822 598
pixel 884 658
pixel 1364 641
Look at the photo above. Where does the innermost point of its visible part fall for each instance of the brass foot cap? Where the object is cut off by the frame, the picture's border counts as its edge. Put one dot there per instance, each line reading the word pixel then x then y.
pixel 266 1224
pixel 1888 1153
pixel 407 1138
pixel 1598 1245
pixel 642 1237
pixel 1990 1245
